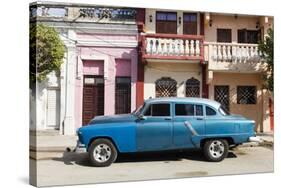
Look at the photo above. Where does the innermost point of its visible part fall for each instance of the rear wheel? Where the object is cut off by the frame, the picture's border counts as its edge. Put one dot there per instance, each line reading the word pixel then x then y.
pixel 215 150
pixel 102 153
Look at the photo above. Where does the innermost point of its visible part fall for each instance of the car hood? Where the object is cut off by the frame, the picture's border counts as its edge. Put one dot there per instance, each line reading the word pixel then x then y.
pixel 114 118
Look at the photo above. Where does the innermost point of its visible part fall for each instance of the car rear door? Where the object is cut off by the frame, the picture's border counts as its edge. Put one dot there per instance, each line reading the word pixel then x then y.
pixel 189 123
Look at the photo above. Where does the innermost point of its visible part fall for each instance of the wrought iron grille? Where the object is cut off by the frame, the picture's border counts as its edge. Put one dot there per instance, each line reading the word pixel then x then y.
pixel 222 95
pixel 166 87
pixel 108 13
pixel 123 95
pixel 192 88
pixel 246 94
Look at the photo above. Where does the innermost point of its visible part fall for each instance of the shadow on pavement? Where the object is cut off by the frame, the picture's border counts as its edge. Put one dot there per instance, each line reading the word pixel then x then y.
pixel 71 158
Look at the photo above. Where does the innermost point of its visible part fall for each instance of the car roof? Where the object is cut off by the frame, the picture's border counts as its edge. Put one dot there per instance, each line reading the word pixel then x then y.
pixel 209 102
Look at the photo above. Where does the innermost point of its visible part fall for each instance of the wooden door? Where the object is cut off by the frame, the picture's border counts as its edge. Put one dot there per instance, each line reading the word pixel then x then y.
pixel 123 95
pixel 93 97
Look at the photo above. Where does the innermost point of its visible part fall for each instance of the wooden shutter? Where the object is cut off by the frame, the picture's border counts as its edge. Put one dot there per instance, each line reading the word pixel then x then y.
pixel 166 22
pixel 53 110
pixel 224 35
pixel 190 23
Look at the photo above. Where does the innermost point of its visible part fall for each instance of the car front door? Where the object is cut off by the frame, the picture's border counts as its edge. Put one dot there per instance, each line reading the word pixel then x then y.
pixel 189 123
pixel 155 128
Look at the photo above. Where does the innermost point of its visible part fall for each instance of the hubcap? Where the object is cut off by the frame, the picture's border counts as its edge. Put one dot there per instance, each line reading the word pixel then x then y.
pixel 102 153
pixel 216 149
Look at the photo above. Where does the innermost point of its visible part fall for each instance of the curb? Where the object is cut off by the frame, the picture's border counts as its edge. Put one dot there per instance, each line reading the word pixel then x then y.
pixel 264 143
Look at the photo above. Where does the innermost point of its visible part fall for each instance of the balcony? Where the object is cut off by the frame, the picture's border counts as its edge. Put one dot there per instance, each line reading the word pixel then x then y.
pixel 233 57
pixel 172 47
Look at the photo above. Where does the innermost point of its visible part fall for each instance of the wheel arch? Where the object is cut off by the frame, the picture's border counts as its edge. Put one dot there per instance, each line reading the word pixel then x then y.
pixel 103 137
pixel 230 140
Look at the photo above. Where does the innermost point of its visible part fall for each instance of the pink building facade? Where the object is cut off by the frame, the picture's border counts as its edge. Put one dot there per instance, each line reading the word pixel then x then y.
pixel 107 63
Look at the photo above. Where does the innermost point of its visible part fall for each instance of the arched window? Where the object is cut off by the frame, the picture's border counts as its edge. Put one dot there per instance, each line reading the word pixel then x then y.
pixel 166 87
pixel 192 88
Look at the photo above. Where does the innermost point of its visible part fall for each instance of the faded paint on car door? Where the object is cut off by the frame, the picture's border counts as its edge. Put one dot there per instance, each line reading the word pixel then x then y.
pixel 154 132
pixel 189 122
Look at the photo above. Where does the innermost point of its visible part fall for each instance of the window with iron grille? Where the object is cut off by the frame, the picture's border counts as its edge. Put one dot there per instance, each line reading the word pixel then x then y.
pixel 246 94
pixel 123 95
pixel 222 95
pixel 192 88
pixel 166 87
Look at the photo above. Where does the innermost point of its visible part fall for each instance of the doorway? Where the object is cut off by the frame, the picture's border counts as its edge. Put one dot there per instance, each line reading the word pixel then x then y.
pixel 93 97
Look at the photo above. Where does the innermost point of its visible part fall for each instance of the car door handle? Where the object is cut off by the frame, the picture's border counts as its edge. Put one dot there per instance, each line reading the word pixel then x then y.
pixel 199 118
pixel 168 119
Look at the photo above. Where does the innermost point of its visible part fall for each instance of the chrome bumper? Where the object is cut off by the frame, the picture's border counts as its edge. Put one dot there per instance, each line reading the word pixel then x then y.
pixel 255 139
pixel 80 148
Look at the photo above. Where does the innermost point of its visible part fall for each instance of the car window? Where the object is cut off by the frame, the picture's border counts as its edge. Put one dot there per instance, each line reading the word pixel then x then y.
pixel 210 111
pixel 199 110
pixel 184 110
pixel 158 110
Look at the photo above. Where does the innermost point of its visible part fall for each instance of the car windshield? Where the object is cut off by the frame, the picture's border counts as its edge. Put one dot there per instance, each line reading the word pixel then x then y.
pixel 138 110
pixel 223 111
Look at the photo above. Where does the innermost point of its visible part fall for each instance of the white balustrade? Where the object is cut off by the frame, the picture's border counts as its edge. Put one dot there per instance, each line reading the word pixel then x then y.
pixel 172 47
pixel 234 52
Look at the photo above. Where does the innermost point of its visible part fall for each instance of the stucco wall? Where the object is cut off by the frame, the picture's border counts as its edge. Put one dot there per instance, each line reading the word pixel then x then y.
pixel 125 59
pixel 230 22
pixel 177 71
pixel 252 111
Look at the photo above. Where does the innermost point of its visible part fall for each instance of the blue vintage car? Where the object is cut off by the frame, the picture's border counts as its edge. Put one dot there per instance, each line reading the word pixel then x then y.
pixel 166 124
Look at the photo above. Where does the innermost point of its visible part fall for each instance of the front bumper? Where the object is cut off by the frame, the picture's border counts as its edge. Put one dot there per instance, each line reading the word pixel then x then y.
pixel 80 148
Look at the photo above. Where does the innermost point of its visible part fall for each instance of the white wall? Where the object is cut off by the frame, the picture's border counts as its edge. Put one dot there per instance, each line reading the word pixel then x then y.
pixel 177 71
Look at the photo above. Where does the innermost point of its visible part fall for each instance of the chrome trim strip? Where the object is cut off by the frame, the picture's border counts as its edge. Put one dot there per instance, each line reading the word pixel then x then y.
pixel 189 126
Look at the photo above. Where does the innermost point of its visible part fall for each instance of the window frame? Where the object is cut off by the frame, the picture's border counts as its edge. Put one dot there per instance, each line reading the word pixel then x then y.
pixel 245 38
pixel 166 21
pixel 148 106
pixel 255 94
pixel 194 109
pixel 225 29
pixel 184 29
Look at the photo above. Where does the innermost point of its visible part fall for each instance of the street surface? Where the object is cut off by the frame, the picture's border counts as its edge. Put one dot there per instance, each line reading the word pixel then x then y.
pixel 75 168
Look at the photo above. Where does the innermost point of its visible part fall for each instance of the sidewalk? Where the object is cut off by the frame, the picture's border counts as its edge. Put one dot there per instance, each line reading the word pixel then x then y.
pixel 267 140
pixel 49 145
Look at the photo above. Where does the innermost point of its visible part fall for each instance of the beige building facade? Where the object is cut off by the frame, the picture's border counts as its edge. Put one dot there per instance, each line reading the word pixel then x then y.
pixel 210 55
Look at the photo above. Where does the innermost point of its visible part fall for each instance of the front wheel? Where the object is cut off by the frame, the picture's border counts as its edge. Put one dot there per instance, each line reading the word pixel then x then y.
pixel 102 153
pixel 215 150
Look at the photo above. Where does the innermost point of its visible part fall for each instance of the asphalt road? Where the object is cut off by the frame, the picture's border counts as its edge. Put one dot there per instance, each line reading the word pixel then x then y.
pixel 75 168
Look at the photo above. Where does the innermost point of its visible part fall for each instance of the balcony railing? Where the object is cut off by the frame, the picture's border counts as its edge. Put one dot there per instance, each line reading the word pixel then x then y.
pixel 233 57
pixel 84 13
pixel 172 46
pixel 233 52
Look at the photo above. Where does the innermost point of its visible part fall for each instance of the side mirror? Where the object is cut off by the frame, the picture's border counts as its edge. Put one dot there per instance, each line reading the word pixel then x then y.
pixel 142 117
